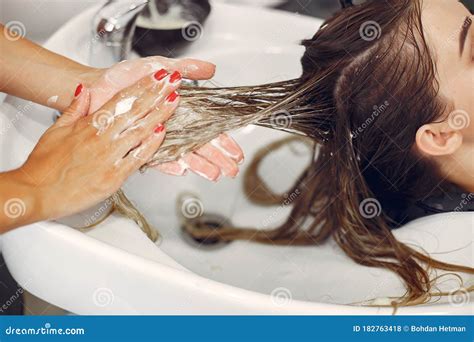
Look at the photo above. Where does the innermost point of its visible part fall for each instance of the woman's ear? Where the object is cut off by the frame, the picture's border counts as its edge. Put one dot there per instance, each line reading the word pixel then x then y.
pixel 438 139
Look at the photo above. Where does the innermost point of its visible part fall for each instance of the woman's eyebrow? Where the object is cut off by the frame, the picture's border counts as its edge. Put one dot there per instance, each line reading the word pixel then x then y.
pixel 463 35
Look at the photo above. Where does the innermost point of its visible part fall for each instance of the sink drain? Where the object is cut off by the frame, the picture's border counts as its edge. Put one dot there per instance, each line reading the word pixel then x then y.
pixel 204 221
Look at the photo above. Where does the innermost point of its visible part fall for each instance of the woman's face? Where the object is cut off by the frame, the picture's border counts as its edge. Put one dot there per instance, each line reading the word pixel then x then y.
pixel 448 24
pixel 450 33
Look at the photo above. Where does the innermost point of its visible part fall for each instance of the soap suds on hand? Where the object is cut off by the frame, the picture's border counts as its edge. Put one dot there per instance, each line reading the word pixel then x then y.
pixel 123 106
pixel 52 100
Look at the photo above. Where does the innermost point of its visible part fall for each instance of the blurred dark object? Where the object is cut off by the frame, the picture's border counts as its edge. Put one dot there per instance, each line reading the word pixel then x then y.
pixel 346 3
pixel 11 295
pixel 166 27
pixel 315 8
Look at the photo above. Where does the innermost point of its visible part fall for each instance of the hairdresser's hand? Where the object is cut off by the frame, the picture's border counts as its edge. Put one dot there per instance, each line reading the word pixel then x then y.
pixel 82 159
pixel 218 158
pixel 221 157
pixel 105 83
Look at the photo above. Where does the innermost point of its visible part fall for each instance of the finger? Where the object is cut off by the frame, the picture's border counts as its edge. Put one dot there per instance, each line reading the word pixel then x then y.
pixel 140 155
pixel 227 165
pixel 134 102
pixel 229 147
pixel 176 168
pixel 202 167
pixel 144 127
pixel 79 107
pixel 193 69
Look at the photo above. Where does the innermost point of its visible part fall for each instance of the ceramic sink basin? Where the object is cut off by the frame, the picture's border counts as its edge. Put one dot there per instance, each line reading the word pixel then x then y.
pixel 115 269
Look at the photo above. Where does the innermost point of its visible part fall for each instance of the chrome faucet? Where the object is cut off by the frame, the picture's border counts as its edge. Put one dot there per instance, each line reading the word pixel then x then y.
pixel 113 28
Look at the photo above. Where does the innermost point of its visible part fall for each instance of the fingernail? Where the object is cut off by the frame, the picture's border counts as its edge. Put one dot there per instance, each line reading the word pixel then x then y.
pixel 160 74
pixel 175 77
pixel 78 90
pixel 159 128
pixel 172 97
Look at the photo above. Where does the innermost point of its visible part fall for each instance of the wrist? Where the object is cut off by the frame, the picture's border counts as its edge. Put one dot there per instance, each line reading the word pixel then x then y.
pixel 89 75
pixel 22 200
pixel 79 74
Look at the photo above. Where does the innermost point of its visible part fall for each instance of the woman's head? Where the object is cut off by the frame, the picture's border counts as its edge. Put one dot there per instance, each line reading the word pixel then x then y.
pixel 397 113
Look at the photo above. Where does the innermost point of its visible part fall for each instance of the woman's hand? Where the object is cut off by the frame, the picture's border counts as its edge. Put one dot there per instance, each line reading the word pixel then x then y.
pixel 82 159
pixel 220 157
pixel 105 83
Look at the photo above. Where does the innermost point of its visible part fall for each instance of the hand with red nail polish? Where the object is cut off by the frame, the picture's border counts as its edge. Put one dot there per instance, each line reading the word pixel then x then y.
pixel 216 159
pixel 104 83
pixel 83 159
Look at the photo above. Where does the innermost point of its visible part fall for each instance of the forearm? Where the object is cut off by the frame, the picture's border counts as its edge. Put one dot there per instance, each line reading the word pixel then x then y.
pixel 20 202
pixel 37 74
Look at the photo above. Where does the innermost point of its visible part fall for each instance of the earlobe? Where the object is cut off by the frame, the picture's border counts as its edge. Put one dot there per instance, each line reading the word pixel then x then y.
pixel 438 139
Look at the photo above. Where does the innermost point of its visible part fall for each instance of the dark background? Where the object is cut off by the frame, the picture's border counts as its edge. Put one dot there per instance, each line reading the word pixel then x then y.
pixel 315 8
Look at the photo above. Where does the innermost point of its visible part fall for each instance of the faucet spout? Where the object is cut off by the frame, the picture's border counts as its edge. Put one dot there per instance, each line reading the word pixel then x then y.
pixel 113 28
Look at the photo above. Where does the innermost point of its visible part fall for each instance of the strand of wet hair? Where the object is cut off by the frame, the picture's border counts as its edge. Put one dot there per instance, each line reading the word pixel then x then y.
pixel 205 113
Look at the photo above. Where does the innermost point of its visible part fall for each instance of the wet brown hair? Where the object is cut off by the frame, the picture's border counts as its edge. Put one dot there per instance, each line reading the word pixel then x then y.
pixel 368 84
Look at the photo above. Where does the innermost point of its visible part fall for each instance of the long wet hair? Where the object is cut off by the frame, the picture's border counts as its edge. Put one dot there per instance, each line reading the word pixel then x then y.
pixel 368 84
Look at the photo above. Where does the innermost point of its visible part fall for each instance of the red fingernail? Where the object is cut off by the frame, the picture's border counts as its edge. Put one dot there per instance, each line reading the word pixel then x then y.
pixel 159 128
pixel 172 97
pixel 175 77
pixel 160 74
pixel 78 90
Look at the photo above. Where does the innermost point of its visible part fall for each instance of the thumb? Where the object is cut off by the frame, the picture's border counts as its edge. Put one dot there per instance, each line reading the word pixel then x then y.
pixel 78 108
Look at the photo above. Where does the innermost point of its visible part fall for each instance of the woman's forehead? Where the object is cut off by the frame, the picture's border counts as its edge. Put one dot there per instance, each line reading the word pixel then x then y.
pixel 443 21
